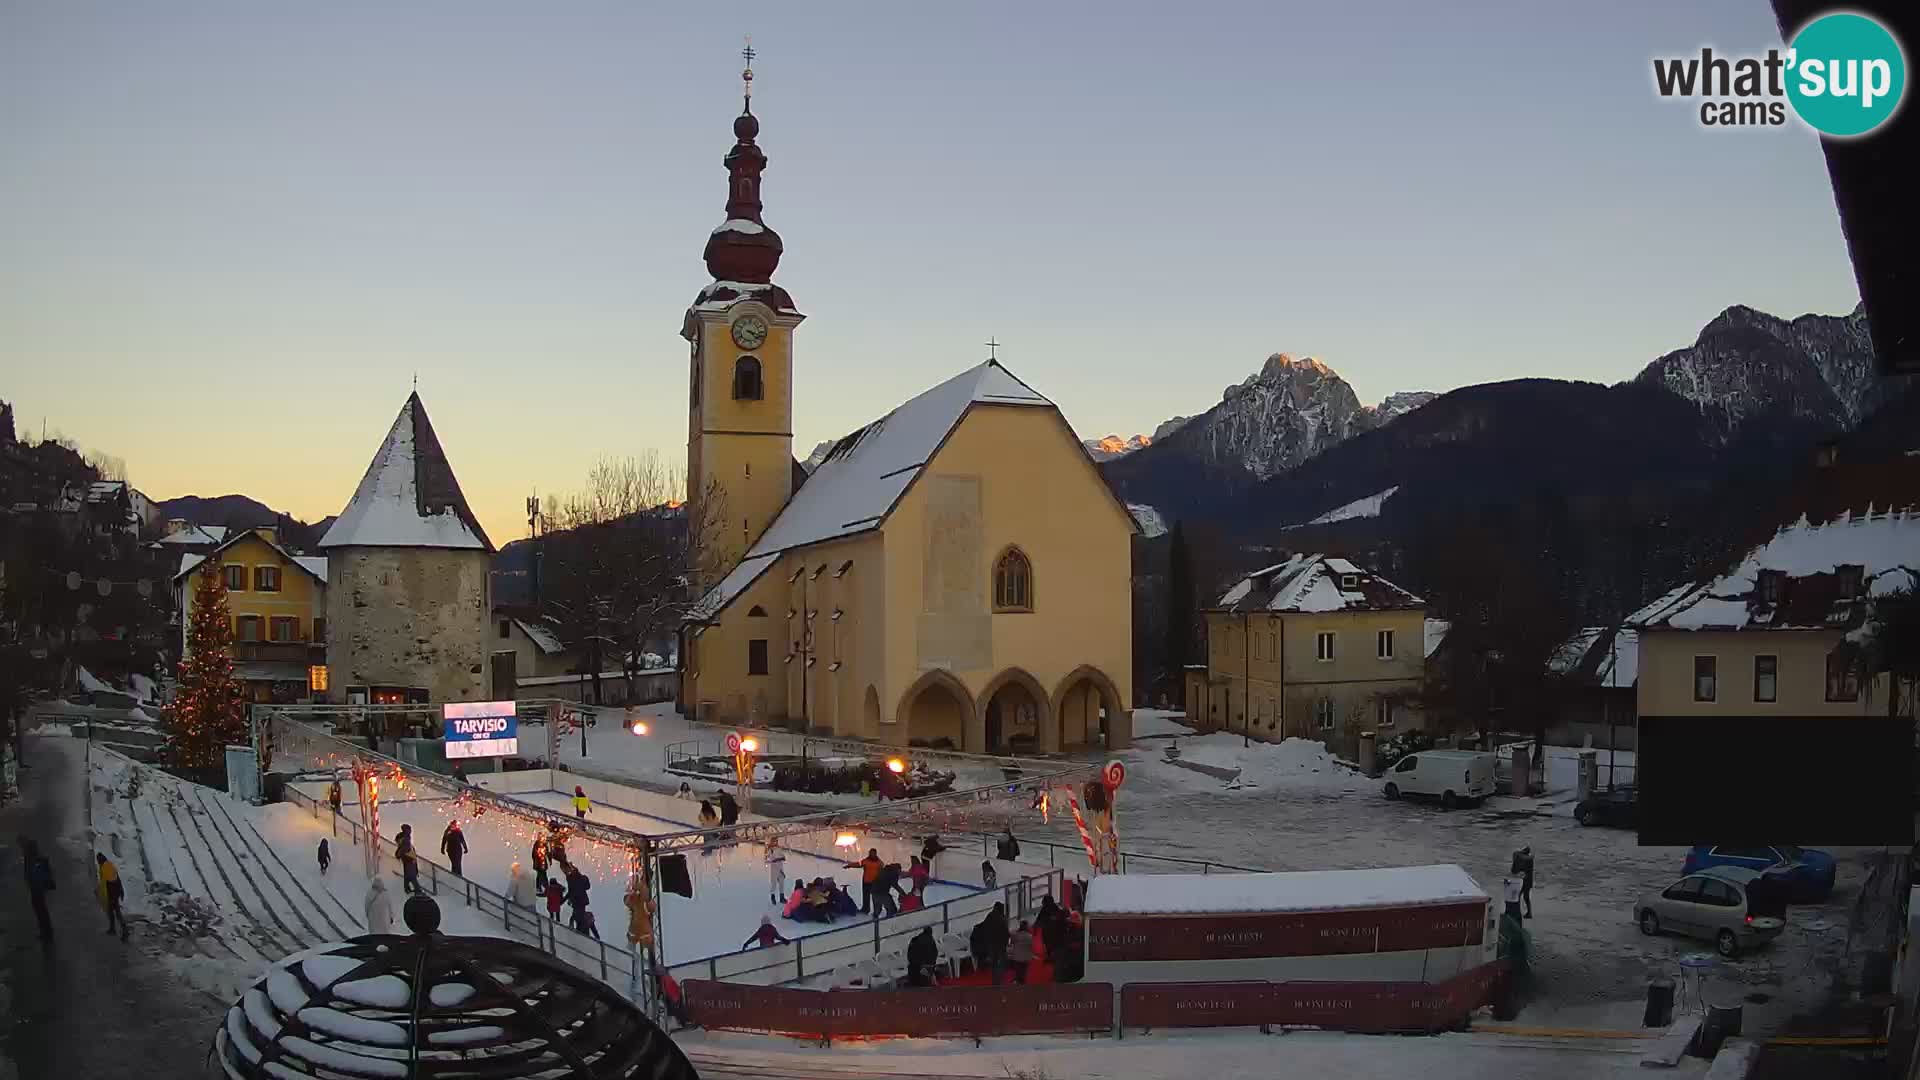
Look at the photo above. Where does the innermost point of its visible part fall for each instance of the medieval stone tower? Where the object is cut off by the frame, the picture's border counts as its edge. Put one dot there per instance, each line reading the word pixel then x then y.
pixel 407 563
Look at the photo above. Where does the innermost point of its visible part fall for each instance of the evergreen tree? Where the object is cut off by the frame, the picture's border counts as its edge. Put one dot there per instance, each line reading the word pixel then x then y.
pixel 210 710
pixel 1181 607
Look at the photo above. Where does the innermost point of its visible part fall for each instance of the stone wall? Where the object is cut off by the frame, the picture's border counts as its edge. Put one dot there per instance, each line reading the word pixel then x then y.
pixel 408 617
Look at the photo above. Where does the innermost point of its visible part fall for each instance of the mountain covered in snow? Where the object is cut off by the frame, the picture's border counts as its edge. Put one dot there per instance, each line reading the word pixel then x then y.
pixel 1747 364
pixel 1113 446
pixel 1398 405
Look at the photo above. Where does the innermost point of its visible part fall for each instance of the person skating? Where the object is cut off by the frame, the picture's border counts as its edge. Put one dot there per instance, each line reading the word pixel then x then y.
pixel 379 907
pixel 520 886
pixel 539 858
pixel 709 819
pixel 884 886
pixel 333 797
pixel 112 892
pixel 923 953
pixel 685 792
pixel 556 895
pixel 557 844
pixel 729 809
pixel 1009 848
pixel 989 877
pixel 577 886
pixel 1523 867
pixel 453 844
pixel 929 852
pixel 409 860
pixel 580 804
pixel 776 870
pixel 767 936
pixel 326 855
pixel 918 873
pixel 869 868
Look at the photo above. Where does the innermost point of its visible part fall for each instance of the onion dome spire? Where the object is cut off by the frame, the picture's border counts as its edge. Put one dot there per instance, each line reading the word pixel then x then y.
pixel 743 248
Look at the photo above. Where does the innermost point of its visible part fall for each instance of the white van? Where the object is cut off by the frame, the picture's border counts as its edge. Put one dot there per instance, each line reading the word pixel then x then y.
pixel 1452 776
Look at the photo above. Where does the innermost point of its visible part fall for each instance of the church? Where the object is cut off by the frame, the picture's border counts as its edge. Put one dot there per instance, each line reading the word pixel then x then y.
pixel 955 574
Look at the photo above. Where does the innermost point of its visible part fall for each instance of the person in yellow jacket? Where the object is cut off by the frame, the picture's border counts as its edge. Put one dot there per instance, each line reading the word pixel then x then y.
pixel 580 805
pixel 111 893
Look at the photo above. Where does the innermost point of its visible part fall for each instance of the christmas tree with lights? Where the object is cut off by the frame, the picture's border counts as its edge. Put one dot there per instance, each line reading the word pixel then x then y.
pixel 210 710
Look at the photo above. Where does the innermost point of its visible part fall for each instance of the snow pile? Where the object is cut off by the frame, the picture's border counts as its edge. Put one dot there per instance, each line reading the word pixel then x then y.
pixel 1304 890
pixel 1292 763
pixel 1149 519
pixel 93 685
pixel 1358 508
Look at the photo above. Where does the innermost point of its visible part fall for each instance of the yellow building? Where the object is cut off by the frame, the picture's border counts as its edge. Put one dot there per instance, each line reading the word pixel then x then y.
pixel 1315 648
pixel 955 573
pixel 1765 638
pixel 278 604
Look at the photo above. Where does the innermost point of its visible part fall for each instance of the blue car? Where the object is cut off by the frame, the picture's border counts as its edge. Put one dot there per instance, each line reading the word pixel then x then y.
pixel 1806 872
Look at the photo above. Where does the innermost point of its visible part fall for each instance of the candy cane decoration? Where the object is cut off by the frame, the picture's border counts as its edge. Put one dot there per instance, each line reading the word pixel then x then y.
pixel 1080 822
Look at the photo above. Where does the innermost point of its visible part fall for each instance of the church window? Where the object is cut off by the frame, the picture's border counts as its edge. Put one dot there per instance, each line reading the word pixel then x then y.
pixel 756 612
pixel 1013 582
pixel 757 656
pixel 746 379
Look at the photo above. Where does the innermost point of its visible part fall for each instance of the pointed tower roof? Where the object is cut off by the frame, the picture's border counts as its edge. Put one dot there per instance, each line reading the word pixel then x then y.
pixel 743 252
pixel 409 497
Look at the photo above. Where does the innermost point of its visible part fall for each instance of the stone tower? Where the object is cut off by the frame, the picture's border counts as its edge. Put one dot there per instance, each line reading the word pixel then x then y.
pixel 407 563
pixel 740 329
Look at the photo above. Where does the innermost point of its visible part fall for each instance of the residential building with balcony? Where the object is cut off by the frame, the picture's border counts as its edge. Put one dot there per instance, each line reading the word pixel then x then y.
pixel 277 602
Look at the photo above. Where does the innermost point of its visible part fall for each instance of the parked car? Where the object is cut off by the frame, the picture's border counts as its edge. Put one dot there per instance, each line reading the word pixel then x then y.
pixel 1807 871
pixel 1618 806
pixel 1733 907
pixel 1452 776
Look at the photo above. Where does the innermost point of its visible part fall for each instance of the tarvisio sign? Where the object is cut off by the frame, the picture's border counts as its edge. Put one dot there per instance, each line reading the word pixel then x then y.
pixel 481 729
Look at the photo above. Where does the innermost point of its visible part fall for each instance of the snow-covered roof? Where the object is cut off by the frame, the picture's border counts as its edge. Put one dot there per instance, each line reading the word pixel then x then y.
pixel 408 497
pixel 865 473
pixel 542 636
pixel 196 534
pixel 735 583
pixel 1802 564
pixel 312 564
pixel 1313 583
pixel 1600 656
pixel 1300 890
pixel 1148 519
pixel 1436 635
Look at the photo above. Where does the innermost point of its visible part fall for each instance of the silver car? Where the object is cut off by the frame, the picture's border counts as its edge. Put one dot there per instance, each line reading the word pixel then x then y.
pixel 1733 907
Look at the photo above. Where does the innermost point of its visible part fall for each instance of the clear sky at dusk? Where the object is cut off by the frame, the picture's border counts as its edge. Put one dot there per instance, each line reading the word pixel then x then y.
pixel 230 233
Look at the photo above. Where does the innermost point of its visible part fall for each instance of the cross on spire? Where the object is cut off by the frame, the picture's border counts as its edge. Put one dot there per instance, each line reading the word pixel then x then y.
pixel 993 349
pixel 746 73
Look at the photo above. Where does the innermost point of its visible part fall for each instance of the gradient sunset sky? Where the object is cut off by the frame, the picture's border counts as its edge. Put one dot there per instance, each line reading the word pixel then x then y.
pixel 231 233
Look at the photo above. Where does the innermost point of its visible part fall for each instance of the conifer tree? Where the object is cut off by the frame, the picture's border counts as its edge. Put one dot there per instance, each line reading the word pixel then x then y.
pixel 1182 610
pixel 209 711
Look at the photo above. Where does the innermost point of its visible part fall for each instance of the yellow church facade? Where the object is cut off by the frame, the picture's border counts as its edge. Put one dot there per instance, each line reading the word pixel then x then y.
pixel 955 574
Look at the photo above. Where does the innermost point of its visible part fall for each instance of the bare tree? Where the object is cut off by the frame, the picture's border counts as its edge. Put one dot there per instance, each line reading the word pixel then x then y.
pixel 623 558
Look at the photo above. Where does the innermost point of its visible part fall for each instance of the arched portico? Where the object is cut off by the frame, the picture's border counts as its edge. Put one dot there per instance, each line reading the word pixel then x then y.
pixel 1014 704
pixel 1077 704
pixel 937 706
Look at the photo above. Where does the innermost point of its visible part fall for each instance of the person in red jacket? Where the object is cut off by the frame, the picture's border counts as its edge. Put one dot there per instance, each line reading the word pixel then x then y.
pixel 766 937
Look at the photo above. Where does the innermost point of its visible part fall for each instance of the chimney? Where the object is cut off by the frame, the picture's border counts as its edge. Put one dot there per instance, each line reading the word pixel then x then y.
pixel 268 533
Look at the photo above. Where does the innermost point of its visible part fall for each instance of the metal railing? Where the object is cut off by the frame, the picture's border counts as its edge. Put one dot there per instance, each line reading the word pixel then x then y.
pixel 1071 856
pixel 525 923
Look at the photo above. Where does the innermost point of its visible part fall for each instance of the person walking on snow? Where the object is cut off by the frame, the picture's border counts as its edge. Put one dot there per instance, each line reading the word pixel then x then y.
pixel 39 884
pixel 577 886
pixel 409 860
pixel 333 797
pixel 540 865
pixel 453 843
pixel 580 804
pixel 1523 868
pixel 112 893
pixel 379 907
pixel 776 870
pixel 556 893
pixel 326 856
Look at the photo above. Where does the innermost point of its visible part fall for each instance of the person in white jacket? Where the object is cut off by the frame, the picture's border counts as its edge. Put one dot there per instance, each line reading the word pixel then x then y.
pixel 520 886
pixel 776 871
pixel 379 907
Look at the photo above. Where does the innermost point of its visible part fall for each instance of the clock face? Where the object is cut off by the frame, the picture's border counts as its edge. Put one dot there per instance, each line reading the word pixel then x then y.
pixel 749 331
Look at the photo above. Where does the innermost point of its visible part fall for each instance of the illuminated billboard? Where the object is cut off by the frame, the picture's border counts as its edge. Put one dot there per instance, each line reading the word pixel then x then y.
pixel 481 729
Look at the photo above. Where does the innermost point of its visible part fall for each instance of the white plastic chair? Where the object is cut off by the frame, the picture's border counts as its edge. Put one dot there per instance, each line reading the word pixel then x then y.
pixel 955 948
pixel 876 975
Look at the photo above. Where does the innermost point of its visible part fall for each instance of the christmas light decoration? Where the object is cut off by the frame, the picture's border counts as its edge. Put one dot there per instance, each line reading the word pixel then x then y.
pixel 896 766
pixel 209 712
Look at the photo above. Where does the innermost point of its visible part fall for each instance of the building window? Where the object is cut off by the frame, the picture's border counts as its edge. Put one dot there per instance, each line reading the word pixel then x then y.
pixel 320 636
pixel 1323 645
pixel 1349 581
pixel 1013 582
pixel 246 628
pixel 758 612
pixel 283 628
pixel 1705 678
pixel 1770 581
pixel 746 379
pixel 506 629
pixel 1848 580
pixel 1323 713
pixel 757 656
pixel 1843 681
pixel 236 578
pixel 1383 711
pixel 1383 644
pixel 1766 678
pixel 266 579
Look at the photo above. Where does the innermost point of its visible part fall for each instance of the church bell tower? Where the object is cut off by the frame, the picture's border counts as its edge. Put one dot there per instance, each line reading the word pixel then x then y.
pixel 740 332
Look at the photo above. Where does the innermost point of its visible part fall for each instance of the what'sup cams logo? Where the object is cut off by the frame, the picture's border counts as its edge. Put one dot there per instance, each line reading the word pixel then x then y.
pixel 1843 75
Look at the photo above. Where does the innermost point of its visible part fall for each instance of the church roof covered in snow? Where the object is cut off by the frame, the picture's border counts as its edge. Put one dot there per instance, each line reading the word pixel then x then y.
pixel 1316 583
pixel 1808 577
pixel 409 497
pixel 1603 656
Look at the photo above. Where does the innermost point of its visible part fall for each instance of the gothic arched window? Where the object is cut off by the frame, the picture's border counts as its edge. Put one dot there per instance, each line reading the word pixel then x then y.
pixel 1012 582
pixel 746 379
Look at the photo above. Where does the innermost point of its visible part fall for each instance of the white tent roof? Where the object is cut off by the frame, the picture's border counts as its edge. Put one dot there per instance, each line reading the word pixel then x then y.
pixel 1303 890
